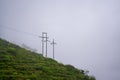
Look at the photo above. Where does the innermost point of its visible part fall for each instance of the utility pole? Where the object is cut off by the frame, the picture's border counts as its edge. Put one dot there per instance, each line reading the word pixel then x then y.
pixel 44 39
pixel 53 43
pixel 46 44
pixel 43 43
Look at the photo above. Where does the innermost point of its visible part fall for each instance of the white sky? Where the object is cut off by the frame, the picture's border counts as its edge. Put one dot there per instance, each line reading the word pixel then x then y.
pixel 86 31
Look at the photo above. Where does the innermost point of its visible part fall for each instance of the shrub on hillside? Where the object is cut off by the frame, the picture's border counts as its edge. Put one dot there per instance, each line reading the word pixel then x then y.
pixel 11 50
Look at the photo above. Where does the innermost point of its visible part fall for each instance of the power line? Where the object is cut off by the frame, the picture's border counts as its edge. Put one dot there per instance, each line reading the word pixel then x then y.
pixel 20 31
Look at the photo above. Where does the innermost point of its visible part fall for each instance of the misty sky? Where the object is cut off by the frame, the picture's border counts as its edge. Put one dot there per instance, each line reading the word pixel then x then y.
pixel 87 32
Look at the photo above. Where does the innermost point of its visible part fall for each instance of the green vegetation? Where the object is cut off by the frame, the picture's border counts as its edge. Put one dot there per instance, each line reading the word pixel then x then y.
pixel 16 63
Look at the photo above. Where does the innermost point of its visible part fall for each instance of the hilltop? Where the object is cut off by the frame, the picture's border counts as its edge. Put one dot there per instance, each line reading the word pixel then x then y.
pixel 17 63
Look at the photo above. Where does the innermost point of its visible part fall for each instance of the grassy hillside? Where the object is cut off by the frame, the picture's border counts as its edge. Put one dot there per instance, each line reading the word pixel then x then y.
pixel 16 63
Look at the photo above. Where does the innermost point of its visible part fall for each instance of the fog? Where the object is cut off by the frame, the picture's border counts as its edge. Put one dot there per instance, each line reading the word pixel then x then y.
pixel 87 32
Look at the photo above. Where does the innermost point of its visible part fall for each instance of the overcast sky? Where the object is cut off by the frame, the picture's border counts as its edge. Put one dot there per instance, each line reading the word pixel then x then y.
pixel 87 32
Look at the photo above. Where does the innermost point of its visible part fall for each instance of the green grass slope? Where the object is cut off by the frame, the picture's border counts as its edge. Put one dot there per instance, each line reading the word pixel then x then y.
pixel 16 63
